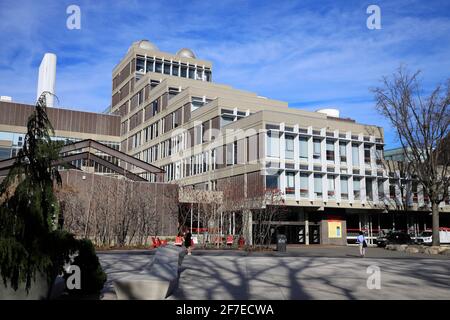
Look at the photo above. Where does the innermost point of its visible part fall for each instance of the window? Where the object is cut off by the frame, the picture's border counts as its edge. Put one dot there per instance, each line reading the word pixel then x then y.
pixel 191 73
pixel 140 65
pixel 318 185
pixel 166 67
pixel 158 66
pixel 331 187
pixel 369 189
pixel 304 185
pixel 155 107
pixel 150 65
pixel 208 75
pixel 344 188
pixel 303 148
pixel 330 150
pixel 229 154
pixel 392 191
pixel 355 154
pixel 272 181
pixel 290 182
pixel 343 152
pixel 289 141
pixel 273 144
pixel 366 153
pixel 175 69
pixel 183 71
pixel 380 189
pixel 379 155
pixel 316 149
pixel 226 119
pixel 356 188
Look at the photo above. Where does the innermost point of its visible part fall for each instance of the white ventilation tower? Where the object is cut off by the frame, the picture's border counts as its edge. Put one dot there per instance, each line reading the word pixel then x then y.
pixel 47 77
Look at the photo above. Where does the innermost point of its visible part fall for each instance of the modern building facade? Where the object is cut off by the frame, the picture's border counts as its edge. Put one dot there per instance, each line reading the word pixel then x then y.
pixel 69 126
pixel 213 137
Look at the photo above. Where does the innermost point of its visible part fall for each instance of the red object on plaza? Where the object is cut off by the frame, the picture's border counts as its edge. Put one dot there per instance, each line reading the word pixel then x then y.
pixel 179 241
pixel 241 242
pixel 229 240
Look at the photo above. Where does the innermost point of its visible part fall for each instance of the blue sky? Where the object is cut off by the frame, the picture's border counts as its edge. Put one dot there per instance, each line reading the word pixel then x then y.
pixel 312 54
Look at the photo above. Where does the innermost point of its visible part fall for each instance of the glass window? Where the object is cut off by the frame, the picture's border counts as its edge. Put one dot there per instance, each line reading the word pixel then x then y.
pixel 191 73
pixel 316 148
pixel 355 154
pixel 290 182
pixel 356 188
pixel 273 144
pixel 303 148
pixel 183 71
pixel 5 153
pixel 158 66
pixel 369 189
pixel 229 154
pixel 343 152
pixel 225 119
pixel 175 70
pixel 344 188
pixel 208 75
pixel 150 65
pixel 166 68
pixel 318 185
pixel 366 153
pixel 330 150
pixel 289 140
pixel 331 186
pixel 272 181
pixel 304 185
pixel 140 64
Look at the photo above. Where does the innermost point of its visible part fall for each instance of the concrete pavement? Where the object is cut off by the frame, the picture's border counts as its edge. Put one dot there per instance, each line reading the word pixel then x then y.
pixel 301 273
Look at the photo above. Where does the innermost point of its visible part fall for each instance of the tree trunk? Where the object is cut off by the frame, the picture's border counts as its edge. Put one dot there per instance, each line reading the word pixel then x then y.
pixel 435 215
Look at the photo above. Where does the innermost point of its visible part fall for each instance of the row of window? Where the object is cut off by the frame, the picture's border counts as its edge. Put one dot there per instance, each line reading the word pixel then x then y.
pixel 334 149
pixel 173 68
pixel 273 182
pixel 318 132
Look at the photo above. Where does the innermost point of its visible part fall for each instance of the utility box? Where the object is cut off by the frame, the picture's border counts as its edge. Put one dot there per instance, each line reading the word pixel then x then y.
pixel 281 243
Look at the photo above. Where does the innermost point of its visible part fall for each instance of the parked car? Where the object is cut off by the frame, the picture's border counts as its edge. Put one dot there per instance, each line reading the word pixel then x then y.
pixel 426 237
pixel 393 238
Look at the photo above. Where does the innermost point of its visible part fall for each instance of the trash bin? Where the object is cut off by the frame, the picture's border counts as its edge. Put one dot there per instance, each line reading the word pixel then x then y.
pixel 281 243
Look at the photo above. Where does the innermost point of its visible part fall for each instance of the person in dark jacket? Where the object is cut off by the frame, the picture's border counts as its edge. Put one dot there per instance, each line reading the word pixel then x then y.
pixel 188 241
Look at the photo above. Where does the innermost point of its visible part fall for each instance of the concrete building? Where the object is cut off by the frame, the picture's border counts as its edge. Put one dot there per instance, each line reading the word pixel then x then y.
pixel 214 137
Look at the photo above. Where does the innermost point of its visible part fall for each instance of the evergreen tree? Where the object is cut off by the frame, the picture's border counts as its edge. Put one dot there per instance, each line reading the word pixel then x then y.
pixel 29 241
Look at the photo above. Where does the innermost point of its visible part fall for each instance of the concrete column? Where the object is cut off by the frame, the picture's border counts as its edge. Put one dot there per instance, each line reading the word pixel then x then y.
pixel 247 220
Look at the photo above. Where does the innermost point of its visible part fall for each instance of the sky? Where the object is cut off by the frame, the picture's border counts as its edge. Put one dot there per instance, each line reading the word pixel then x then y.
pixel 311 54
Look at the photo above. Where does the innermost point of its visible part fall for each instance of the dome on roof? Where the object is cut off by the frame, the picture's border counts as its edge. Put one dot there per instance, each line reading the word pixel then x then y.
pixel 144 44
pixel 186 53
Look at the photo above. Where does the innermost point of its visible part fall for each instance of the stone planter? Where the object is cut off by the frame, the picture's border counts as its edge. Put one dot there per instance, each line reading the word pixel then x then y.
pixel 38 290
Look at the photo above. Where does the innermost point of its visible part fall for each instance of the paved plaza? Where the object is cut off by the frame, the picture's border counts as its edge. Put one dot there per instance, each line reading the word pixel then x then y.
pixel 301 273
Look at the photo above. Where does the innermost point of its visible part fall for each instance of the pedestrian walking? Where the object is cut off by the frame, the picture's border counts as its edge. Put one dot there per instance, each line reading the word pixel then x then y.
pixel 361 241
pixel 188 241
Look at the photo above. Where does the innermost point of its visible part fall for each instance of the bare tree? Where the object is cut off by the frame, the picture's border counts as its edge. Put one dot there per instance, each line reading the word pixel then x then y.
pixel 422 125
pixel 273 206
